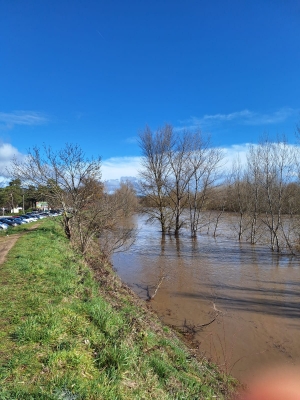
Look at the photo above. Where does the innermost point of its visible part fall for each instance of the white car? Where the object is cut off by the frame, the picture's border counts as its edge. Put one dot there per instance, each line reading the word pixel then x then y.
pixel 29 219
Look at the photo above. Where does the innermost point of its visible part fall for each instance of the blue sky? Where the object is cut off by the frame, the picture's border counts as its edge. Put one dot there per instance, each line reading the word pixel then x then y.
pixel 96 72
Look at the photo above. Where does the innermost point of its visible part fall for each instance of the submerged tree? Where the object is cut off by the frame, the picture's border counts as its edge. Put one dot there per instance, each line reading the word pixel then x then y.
pixel 183 163
pixel 265 195
pixel 277 171
pixel 155 173
pixel 204 162
pixel 238 193
pixel 178 170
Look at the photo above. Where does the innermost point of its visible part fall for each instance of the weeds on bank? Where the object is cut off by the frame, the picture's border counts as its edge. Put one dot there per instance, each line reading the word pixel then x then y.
pixel 65 335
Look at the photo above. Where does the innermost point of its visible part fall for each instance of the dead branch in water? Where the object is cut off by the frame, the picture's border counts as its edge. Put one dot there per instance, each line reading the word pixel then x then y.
pixel 197 328
pixel 193 329
pixel 149 297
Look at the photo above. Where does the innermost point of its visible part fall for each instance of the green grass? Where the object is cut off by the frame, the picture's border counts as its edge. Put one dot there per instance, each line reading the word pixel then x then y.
pixel 19 228
pixel 68 335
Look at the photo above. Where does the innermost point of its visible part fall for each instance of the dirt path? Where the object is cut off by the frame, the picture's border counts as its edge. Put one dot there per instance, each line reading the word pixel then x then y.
pixel 8 241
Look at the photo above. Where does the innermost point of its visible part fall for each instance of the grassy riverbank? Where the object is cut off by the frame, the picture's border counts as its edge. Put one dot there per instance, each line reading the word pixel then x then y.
pixel 72 332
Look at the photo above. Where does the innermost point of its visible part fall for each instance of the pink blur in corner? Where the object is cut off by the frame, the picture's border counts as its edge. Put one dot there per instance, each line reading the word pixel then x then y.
pixel 274 384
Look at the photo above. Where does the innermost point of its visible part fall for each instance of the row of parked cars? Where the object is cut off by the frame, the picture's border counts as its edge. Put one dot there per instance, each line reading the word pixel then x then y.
pixel 6 222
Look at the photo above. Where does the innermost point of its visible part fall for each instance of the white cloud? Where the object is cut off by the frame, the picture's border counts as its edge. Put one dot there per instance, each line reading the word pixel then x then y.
pixel 272 118
pixel 239 151
pixel 116 167
pixel 112 168
pixel 9 120
pixel 244 117
pixel 229 117
pixel 131 140
pixel 7 152
pixel 234 152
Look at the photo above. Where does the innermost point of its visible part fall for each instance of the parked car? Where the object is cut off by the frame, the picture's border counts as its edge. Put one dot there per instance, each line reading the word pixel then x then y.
pixel 3 225
pixel 43 214
pixel 24 220
pixel 8 221
pixel 28 218
pixel 20 221
pixel 15 221
pixel 34 215
pixel 54 213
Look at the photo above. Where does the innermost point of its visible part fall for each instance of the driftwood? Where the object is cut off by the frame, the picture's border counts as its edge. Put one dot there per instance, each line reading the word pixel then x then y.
pixel 193 329
pixel 151 297
pixel 196 328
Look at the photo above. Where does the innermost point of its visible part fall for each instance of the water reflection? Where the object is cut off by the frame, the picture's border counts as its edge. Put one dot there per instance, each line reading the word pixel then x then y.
pixel 256 291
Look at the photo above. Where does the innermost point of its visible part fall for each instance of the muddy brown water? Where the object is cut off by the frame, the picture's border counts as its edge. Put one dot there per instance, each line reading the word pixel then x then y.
pixel 253 294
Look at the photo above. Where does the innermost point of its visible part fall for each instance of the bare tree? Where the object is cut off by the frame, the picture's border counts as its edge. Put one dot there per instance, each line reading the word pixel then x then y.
pixel 255 191
pixel 178 169
pixel 182 170
pixel 273 169
pixel 155 173
pixel 63 173
pixel 204 161
pixel 71 181
pixel 221 206
pixel 104 219
pixel 297 153
pixel 238 195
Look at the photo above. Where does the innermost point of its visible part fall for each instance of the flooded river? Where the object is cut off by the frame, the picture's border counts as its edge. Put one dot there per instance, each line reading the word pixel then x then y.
pixel 248 297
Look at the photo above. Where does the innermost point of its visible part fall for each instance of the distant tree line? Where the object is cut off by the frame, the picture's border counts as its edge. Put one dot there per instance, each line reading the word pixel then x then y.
pixel 13 195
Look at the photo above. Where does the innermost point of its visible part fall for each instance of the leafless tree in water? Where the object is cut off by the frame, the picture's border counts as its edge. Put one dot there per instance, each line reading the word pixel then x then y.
pixel 276 164
pixel 238 196
pixel 155 173
pixel 178 170
pixel 265 194
pixel 205 161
